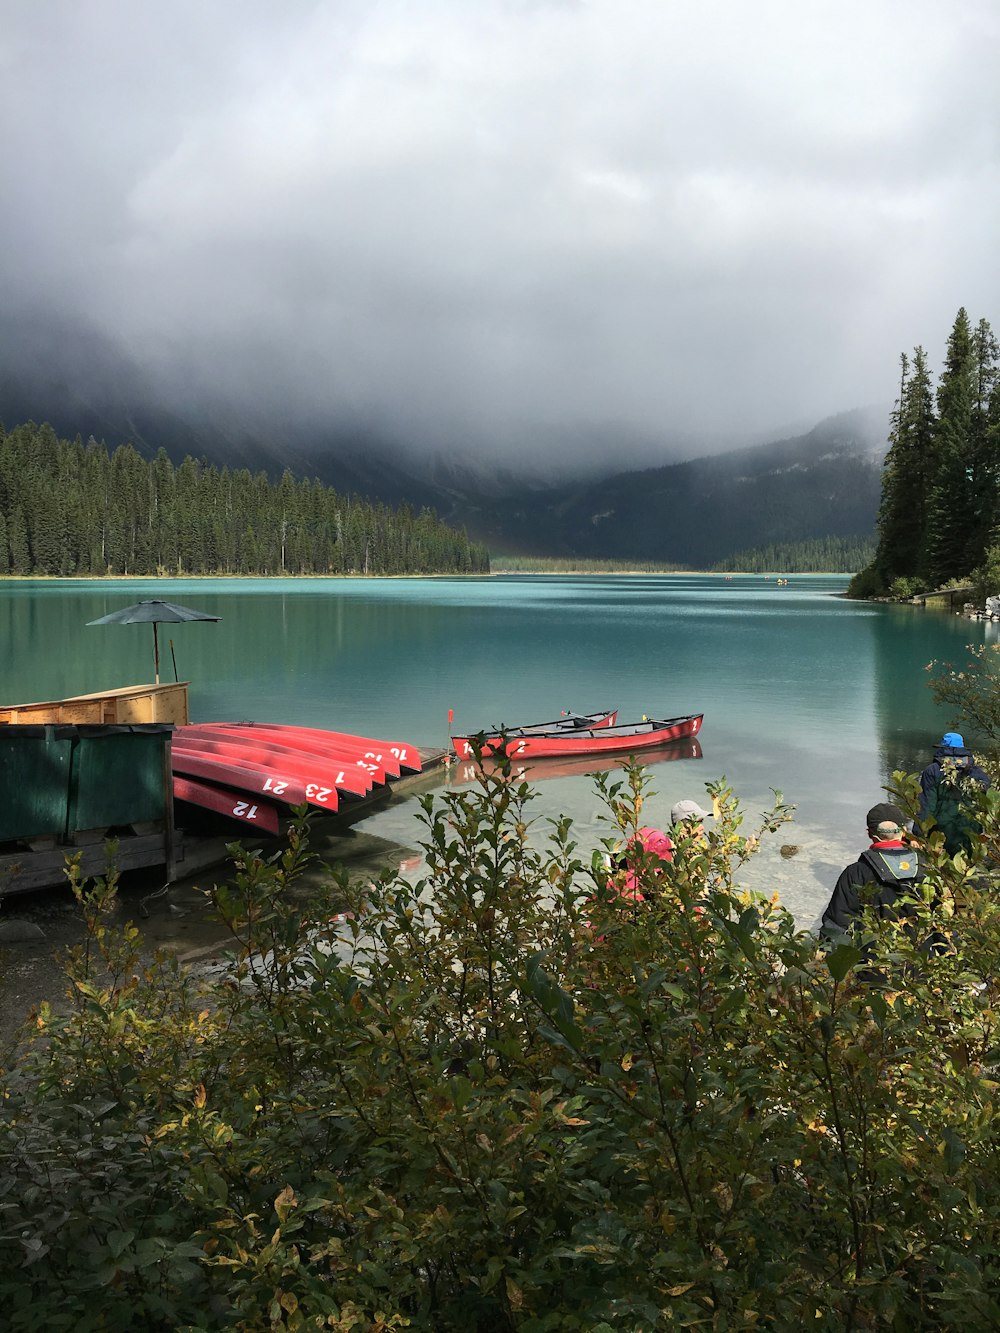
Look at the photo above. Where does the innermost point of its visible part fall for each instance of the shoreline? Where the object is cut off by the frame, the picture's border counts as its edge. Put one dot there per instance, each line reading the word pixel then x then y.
pixel 380 578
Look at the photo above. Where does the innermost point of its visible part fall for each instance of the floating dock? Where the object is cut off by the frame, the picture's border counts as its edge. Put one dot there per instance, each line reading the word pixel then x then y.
pixel 77 772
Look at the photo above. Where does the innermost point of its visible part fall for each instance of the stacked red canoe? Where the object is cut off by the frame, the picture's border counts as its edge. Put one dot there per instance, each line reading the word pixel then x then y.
pixel 255 771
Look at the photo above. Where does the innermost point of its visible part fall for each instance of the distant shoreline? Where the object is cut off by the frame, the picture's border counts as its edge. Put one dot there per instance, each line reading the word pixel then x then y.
pixel 494 573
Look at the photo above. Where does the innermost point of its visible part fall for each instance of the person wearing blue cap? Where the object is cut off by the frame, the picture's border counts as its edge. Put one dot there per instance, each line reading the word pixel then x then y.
pixel 946 786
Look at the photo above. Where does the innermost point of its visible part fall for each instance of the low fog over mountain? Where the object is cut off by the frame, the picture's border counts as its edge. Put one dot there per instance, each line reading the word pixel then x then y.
pixel 522 234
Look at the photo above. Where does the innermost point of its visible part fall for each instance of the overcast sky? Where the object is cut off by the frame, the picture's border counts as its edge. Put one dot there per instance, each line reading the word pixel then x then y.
pixel 502 221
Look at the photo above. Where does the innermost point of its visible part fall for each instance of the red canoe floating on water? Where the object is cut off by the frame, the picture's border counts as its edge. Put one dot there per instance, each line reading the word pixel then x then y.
pixel 577 765
pixel 628 738
pixel 568 723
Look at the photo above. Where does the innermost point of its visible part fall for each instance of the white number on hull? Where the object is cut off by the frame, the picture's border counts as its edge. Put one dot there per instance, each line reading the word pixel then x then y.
pixel 318 793
pixel 275 785
pixel 244 811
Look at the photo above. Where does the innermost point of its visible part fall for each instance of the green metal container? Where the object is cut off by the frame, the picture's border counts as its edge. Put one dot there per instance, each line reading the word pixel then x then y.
pixel 119 776
pixel 35 764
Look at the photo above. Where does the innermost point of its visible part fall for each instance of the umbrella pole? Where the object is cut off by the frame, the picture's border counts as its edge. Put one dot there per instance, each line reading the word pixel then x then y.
pixel 156 653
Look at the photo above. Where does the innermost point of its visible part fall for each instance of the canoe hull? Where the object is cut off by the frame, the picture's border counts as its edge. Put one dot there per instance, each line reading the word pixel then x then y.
pixel 271 783
pixel 400 753
pixel 223 801
pixel 629 739
pixel 338 771
pixel 580 765
pixel 567 725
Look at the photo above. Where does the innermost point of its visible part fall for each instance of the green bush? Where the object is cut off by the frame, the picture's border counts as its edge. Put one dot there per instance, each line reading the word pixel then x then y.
pixel 504 1097
pixel 867 583
pixel 986 579
pixel 903 589
pixel 971 692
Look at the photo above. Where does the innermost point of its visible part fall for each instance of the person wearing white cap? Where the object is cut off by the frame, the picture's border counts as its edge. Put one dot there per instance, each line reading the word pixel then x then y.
pixel 687 826
pixel 688 812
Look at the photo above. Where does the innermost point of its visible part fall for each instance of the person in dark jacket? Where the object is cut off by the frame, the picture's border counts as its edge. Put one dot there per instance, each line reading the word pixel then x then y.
pixel 946 786
pixel 882 877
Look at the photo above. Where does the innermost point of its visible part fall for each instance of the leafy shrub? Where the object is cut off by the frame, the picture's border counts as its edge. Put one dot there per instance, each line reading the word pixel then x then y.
pixel 986 579
pixel 867 583
pixel 903 589
pixel 971 692
pixel 506 1097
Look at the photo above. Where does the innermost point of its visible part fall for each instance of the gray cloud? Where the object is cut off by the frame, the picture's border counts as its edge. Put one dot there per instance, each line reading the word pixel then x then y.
pixel 497 223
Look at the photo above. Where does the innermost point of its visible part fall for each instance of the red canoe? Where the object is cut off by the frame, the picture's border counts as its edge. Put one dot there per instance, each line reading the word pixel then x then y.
pixel 569 722
pixel 271 783
pixel 224 801
pixel 568 766
pixel 400 753
pixel 305 741
pixel 352 782
pixel 628 738
pixel 340 771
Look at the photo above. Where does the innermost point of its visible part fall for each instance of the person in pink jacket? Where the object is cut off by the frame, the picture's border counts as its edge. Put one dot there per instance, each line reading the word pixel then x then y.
pixel 638 857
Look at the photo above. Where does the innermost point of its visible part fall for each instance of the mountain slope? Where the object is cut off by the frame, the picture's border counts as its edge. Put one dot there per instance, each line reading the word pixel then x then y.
pixel 824 483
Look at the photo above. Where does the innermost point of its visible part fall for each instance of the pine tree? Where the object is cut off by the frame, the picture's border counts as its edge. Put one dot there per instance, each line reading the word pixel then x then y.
pixel 902 517
pixel 984 445
pixel 951 507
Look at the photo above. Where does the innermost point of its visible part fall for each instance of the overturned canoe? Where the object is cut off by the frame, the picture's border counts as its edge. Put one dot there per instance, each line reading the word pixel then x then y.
pixel 400 753
pixel 340 771
pixel 225 801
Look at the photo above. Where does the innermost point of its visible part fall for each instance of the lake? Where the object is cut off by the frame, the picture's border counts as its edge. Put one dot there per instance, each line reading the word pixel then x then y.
pixel 801 690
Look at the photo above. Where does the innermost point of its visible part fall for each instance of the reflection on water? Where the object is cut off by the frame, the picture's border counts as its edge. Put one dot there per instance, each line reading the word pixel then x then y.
pixel 802 690
pixel 466 773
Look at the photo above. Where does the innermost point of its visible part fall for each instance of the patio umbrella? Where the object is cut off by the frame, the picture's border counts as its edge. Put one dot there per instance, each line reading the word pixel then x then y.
pixel 153 613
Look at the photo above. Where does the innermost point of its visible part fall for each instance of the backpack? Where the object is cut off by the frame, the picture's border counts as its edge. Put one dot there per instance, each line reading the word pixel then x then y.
pixel 893 865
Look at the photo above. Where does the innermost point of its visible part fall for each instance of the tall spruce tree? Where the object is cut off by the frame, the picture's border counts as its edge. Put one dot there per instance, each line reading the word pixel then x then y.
pixel 951 508
pixel 984 445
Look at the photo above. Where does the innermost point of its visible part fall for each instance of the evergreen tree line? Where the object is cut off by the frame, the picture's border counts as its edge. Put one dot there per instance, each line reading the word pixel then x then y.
pixel 70 508
pixel 830 555
pixel 939 514
pixel 544 564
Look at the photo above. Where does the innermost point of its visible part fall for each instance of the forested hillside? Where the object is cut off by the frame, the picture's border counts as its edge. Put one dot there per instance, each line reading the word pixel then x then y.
pixel 72 508
pixel 702 512
pixel 831 555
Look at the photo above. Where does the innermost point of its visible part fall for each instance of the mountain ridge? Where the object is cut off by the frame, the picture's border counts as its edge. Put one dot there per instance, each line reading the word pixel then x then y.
pixel 697 511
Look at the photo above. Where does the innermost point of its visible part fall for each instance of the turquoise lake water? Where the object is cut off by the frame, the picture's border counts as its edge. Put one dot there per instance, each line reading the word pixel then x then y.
pixel 801 689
